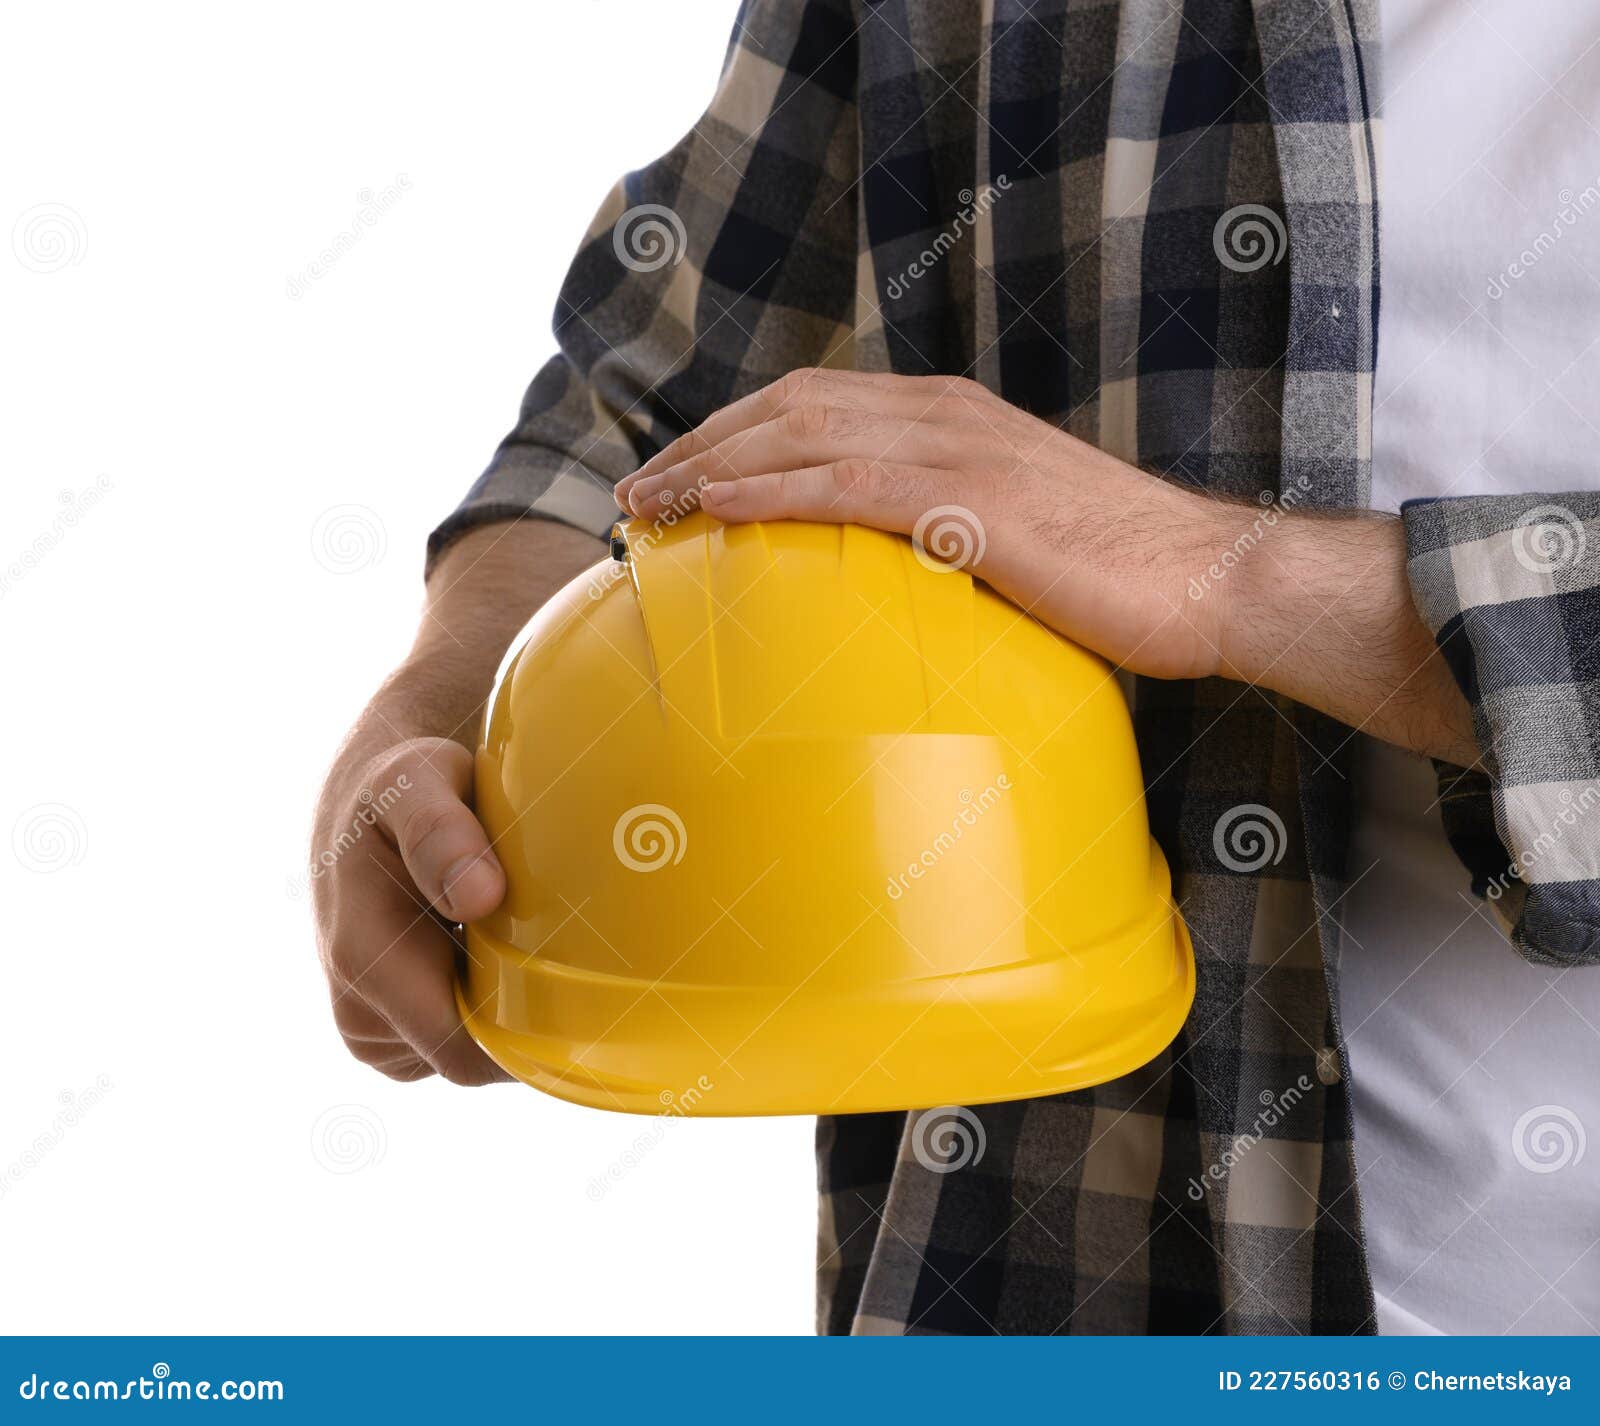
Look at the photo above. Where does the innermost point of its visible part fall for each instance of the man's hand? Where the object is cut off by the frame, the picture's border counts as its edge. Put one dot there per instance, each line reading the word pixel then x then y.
pixel 1165 581
pixel 1087 544
pixel 397 856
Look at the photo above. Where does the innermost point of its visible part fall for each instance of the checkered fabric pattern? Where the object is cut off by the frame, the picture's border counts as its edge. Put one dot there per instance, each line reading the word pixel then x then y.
pixel 1066 177
pixel 1508 584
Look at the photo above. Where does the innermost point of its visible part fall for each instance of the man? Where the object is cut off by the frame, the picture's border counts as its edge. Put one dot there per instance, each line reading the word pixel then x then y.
pixel 1104 276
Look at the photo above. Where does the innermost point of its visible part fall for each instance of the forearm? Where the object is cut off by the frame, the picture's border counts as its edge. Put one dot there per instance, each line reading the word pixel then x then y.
pixel 484 588
pixel 1321 612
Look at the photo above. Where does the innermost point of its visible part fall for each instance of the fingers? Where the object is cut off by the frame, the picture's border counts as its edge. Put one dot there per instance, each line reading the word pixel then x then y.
pixel 388 1053
pixel 410 984
pixel 799 438
pixel 935 398
pixel 389 958
pixel 883 495
pixel 444 847
pixel 392 966
pixel 360 1024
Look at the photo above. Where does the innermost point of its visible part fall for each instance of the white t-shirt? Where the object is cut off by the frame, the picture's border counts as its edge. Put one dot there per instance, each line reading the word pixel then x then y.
pixel 1476 1075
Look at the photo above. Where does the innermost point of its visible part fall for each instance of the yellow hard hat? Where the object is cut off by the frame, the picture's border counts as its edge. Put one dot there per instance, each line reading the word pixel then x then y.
pixel 797 819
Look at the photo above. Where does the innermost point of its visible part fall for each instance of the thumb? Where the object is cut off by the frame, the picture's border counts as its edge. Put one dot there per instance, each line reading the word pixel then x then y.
pixel 422 809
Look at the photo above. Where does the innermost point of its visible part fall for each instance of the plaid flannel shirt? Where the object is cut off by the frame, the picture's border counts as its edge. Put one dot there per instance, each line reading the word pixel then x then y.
pixel 1068 177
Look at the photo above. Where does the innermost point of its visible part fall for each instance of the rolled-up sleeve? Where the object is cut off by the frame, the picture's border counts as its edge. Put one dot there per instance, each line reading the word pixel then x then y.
pixel 1510 587
pixel 726 263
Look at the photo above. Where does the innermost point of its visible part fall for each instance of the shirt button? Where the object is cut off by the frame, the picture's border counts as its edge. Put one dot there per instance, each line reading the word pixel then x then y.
pixel 1328 1066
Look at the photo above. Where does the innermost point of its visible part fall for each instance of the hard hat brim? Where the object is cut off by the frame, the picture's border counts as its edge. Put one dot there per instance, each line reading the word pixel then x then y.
pixel 1014 1032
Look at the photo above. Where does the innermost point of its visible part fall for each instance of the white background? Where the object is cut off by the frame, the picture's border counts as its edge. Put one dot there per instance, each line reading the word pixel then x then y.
pixel 184 645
